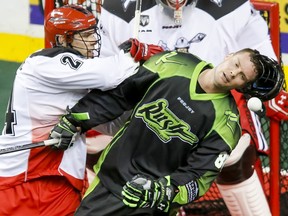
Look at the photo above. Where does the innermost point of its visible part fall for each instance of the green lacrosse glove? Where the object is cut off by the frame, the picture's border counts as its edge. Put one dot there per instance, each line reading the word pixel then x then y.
pixel 65 131
pixel 143 192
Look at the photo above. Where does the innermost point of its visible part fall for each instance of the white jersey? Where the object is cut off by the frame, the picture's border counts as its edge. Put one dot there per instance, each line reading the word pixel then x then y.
pixel 45 84
pixel 211 30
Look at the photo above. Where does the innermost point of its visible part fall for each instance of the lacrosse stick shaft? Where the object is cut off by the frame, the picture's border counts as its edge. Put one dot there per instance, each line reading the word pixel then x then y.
pixel 137 18
pixel 28 146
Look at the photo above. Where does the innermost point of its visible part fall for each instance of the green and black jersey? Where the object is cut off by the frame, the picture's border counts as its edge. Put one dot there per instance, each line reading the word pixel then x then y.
pixel 175 129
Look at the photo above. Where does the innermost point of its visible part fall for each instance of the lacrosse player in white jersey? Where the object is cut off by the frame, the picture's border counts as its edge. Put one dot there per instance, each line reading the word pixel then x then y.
pixel 210 29
pixel 48 181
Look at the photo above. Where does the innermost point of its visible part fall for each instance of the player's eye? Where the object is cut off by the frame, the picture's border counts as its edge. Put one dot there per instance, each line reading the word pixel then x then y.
pixel 243 77
pixel 237 63
pixel 85 34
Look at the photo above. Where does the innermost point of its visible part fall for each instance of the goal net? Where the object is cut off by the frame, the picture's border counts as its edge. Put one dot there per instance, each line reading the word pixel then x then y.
pixel 275 165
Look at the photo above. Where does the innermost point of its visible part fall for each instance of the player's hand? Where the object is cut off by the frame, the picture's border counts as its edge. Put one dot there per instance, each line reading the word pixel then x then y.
pixel 65 132
pixel 277 108
pixel 143 192
pixel 140 51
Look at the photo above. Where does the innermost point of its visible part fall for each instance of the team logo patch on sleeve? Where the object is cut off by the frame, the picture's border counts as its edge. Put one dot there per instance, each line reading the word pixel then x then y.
pixel 231 120
pixel 164 123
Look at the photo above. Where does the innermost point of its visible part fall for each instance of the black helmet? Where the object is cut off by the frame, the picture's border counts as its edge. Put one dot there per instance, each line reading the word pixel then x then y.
pixel 269 81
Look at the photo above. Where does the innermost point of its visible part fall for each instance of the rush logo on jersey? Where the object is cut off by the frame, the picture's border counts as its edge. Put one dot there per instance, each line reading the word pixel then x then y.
pixel 164 123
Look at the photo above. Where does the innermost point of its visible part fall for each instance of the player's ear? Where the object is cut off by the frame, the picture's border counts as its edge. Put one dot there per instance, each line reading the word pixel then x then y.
pixel 60 40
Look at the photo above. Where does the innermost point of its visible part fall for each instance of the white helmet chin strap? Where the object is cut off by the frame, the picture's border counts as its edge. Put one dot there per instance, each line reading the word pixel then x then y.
pixel 177 6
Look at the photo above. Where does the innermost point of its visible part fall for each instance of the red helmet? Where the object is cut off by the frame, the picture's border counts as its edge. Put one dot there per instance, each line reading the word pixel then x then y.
pixel 67 21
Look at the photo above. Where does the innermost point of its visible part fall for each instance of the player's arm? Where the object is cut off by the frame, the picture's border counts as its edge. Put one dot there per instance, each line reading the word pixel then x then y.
pixel 99 107
pixel 257 32
pixel 101 73
pixel 110 25
pixel 203 166
pixel 207 159
pixel 181 187
pixel 191 181
pixel 103 106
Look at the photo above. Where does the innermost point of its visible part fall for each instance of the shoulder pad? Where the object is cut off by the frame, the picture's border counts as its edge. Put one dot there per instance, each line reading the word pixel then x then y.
pixel 219 8
pixel 125 9
pixel 51 52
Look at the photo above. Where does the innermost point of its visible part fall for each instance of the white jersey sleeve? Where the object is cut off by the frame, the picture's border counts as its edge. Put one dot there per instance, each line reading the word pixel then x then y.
pixel 251 31
pixel 45 84
pixel 111 37
pixel 158 27
pixel 73 72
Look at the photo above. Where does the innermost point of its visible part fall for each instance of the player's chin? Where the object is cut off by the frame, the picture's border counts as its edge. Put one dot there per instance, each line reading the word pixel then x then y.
pixel 225 86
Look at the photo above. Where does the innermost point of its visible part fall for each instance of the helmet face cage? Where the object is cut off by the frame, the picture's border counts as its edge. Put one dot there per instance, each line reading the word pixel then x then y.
pixel 175 4
pixel 269 81
pixel 69 20
pixel 97 37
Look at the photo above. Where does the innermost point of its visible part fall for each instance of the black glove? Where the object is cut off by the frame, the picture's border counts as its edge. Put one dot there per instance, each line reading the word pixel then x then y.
pixel 140 51
pixel 65 131
pixel 143 192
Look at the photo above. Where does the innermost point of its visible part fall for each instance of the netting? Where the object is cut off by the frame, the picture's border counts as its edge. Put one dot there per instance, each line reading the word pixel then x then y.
pixel 212 203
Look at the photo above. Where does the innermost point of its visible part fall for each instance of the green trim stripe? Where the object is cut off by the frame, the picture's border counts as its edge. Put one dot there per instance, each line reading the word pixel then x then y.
pixel 81 116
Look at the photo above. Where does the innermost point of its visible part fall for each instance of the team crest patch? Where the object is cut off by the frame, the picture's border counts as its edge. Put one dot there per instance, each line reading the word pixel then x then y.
pixel 144 20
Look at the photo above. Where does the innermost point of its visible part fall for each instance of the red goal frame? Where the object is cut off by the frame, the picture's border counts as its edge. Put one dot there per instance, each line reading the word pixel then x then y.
pixel 274 152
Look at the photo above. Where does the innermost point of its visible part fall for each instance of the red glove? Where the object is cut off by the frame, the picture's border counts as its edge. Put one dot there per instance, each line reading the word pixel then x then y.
pixel 140 51
pixel 277 108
